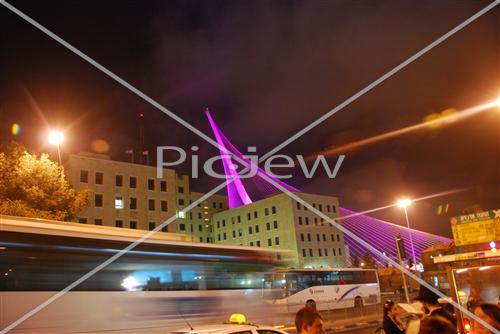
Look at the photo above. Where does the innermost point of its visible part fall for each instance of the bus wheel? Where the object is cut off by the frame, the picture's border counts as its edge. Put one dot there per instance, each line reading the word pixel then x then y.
pixel 311 304
pixel 358 302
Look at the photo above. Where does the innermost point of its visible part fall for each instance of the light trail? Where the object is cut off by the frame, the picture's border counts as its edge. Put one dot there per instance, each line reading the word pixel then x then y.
pixel 443 120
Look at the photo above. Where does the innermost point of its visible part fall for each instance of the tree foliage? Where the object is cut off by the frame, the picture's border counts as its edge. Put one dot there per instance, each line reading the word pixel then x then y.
pixel 32 186
pixel 368 260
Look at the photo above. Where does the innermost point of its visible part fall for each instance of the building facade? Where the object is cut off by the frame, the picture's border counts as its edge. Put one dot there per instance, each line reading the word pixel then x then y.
pixel 280 222
pixel 124 194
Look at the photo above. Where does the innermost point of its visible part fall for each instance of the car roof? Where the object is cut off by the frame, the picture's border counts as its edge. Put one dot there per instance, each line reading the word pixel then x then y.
pixel 224 329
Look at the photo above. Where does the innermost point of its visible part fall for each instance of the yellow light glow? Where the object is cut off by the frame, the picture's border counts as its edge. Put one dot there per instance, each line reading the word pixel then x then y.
pixel 404 202
pixel 56 137
pixel 237 318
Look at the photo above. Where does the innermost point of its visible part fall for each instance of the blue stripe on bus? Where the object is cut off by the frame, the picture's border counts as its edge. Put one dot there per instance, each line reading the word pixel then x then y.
pixel 347 292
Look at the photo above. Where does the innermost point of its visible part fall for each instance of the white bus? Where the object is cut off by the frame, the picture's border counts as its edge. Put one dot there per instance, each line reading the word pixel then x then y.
pixel 327 288
pixel 154 287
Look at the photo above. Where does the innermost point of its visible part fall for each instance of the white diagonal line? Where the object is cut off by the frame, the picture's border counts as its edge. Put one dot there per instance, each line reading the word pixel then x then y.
pixel 381 79
pixel 201 134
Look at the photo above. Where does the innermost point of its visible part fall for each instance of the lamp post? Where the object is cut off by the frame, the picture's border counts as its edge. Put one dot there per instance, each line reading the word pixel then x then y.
pixel 405 203
pixel 56 138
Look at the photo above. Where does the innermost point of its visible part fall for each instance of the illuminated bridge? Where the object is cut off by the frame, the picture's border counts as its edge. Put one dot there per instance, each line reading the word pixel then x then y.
pixel 376 232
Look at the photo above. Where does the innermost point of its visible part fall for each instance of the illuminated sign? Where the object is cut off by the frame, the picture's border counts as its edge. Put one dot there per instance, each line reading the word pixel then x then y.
pixel 476 228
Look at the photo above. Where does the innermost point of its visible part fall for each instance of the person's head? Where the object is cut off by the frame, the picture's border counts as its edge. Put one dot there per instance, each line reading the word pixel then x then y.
pixel 390 308
pixel 308 321
pixel 436 325
pixel 428 298
pixel 489 313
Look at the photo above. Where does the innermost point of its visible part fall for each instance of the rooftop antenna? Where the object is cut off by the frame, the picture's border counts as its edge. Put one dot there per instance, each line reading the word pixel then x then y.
pixel 141 137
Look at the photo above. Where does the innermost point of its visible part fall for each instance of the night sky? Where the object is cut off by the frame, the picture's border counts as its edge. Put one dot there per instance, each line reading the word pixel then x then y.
pixel 266 69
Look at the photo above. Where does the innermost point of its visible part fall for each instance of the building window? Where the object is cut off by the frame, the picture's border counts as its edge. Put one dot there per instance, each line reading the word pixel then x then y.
pixel 240 232
pixel 333 251
pixel 199 215
pixel 318 237
pixel 164 206
pixel 224 236
pixel 340 251
pixel 275 223
pixel 220 205
pixel 338 237
pixel 163 186
pixel 269 242
pixel 251 243
pixel 333 237
pixel 151 205
pixel 273 210
pixel 320 207
pixel 268 226
pixel 302 237
pixel 99 178
pixel 319 252
pixel 200 228
pixel 324 237
pixel 218 224
pixel 82 220
pixel 133 203
pixel 255 214
pixel 310 252
pixel 151 226
pixel 223 223
pixel 256 228
pixel 132 182
pixel 303 252
pixel 181 201
pixel 334 209
pixel 328 207
pixel 309 237
pixel 98 200
pixel 214 205
pixel 218 237
pixel 180 190
pixel 266 211
pixel 249 216
pixel 258 243
pixel 119 223
pixel 307 220
pixel 326 252
pixel 133 224
pixel 84 176
pixel 298 205
pixel 316 221
pixel 98 221
pixel 314 205
pixel 234 233
pixel 249 229
pixel 300 220
pixel 201 239
pixel 119 202
pixel 238 218
pixel 191 228
pixel 151 184
pixel 119 180
pixel 276 241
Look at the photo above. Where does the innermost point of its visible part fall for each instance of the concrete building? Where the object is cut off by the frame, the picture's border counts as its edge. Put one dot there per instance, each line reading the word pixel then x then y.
pixel 131 196
pixel 280 222
pixel 126 195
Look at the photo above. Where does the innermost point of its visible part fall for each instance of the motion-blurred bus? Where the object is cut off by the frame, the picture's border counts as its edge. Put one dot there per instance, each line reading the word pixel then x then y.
pixel 326 288
pixel 158 285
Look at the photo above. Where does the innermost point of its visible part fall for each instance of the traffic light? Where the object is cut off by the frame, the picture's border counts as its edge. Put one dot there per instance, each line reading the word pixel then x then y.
pixel 400 243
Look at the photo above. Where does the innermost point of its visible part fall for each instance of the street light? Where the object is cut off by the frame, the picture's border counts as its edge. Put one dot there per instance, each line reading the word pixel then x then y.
pixel 405 203
pixel 56 138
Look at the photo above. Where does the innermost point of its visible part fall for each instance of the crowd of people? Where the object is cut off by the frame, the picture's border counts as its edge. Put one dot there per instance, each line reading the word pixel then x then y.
pixel 432 318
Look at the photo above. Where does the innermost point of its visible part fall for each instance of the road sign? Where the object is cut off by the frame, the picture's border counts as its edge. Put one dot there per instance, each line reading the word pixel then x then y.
pixel 476 228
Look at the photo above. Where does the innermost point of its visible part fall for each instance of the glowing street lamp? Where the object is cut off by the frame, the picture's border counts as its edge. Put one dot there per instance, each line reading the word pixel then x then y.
pixel 56 138
pixel 405 203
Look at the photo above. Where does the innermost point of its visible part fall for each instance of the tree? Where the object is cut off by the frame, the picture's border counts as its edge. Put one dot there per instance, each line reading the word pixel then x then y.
pixel 32 186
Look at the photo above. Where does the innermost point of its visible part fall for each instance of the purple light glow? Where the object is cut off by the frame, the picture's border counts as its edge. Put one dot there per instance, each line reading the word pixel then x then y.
pixel 381 235
pixel 237 193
